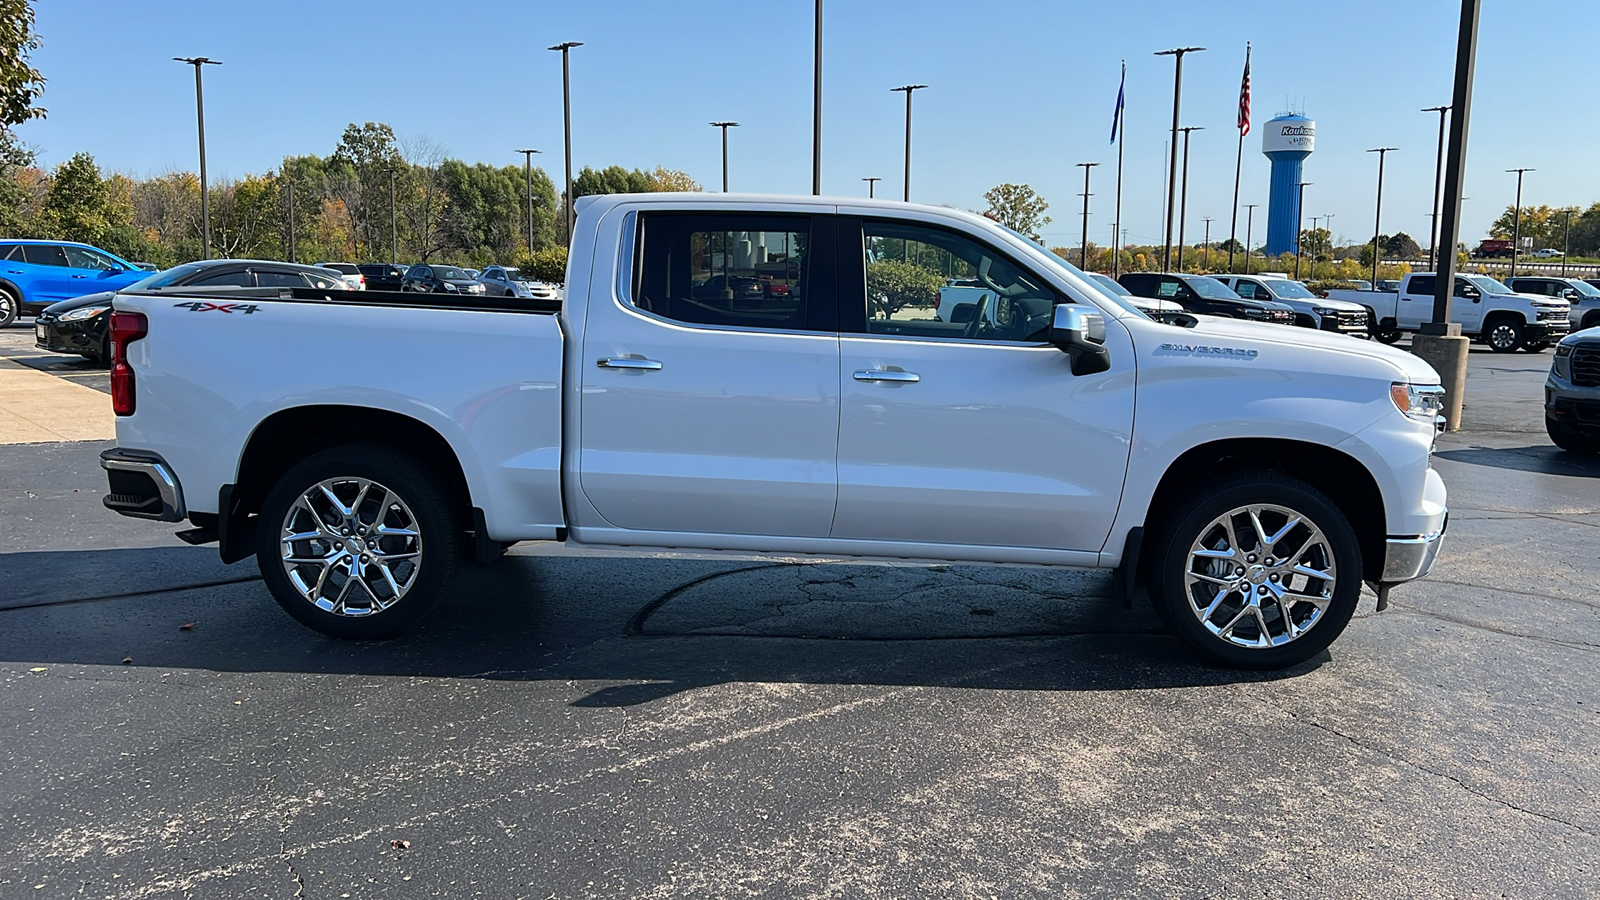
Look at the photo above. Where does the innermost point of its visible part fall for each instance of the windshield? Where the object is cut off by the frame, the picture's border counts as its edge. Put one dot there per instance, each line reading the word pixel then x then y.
pixel 1110 284
pixel 1489 285
pixel 1584 288
pixel 516 275
pixel 1283 287
pixel 450 273
pixel 1210 288
pixel 166 278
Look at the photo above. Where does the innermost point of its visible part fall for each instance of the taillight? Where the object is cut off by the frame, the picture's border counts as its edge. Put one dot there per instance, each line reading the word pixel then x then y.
pixel 126 327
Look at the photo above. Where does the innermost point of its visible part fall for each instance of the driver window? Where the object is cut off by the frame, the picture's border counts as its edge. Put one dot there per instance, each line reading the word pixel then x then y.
pixel 928 282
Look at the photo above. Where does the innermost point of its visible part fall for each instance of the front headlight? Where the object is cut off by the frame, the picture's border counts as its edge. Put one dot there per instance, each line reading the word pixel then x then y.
pixel 81 313
pixel 1561 366
pixel 1324 310
pixel 1254 313
pixel 450 288
pixel 1422 403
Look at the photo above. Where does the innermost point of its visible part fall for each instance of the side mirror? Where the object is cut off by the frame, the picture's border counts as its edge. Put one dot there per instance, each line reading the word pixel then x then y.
pixel 1081 335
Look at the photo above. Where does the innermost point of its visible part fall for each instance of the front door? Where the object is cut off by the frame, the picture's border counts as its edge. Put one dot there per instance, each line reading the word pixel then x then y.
pixel 711 379
pixel 979 437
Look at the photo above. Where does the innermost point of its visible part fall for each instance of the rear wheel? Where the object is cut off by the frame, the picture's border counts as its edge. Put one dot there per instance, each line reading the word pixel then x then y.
pixel 10 306
pixel 1570 439
pixel 1387 333
pixel 1536 346
pixel 357 541
pixel 1256 571
pixel 1504 335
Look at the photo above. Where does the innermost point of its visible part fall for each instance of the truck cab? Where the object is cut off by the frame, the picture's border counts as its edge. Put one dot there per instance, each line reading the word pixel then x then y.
pixel 1310 311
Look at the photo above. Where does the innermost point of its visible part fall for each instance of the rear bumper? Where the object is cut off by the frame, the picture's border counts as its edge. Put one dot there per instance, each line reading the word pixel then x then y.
pixel 1410 558
pixel 142 486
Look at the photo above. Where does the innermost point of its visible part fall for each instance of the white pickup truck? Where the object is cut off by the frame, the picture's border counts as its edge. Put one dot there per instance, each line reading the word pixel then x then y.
pixel 1485 308
pixel 360 444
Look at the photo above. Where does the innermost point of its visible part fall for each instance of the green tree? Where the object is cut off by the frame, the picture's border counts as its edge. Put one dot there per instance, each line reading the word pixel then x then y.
pixel 358 174
pixel 611 180
pixel 1541 223
pixel 20 83
pixel 1401 245
pixel 1018 207
pixel 78 205
pixel 893 285
pixel 664 179
pixel 548 265
pixel 14 160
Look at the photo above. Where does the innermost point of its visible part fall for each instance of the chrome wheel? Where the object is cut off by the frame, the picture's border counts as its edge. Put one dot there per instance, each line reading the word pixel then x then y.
pixel 1260 576
pixel 350 546
pixel 8 308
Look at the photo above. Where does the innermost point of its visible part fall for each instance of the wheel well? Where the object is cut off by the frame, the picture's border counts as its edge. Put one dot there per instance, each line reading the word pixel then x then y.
pixel 1339 476
pixel 286 437
pixel 1591 320
pixel 1494 317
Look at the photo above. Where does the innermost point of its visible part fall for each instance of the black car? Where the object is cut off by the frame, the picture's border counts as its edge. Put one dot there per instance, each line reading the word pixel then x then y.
pixel 1206 295
pixel 80 325
pixel 382 276
pixel 436 279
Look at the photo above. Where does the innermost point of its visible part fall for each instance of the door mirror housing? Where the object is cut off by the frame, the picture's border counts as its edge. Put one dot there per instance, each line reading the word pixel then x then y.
pixel 1081 334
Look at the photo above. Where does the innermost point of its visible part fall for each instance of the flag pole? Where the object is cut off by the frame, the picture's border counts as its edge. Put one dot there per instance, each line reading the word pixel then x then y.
pixel 1238 164
pixel 1116 246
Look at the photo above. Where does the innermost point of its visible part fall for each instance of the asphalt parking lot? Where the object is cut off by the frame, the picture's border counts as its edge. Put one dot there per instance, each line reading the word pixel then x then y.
pixel 574 724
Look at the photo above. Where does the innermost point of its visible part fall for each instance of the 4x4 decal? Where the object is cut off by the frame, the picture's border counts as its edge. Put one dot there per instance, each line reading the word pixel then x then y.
pixel 207 306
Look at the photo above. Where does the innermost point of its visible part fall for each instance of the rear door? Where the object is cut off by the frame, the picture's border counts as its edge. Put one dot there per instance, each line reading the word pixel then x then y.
pixel 1415 303
pixel 47 275
pixel 707 409
pixel 982 437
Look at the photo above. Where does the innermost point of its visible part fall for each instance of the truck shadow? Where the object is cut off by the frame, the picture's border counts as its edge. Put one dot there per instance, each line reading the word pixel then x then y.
pixel 1543 459
pixel 634 630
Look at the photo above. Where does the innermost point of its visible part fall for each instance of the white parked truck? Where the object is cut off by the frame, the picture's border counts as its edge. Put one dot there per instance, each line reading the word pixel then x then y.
pixel 1486 310
pixel 360 444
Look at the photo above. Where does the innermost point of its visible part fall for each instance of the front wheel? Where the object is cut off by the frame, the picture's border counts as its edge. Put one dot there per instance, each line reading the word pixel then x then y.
pixel 357 541
pixel 1504 335
pixel 10 306
pixel 1570 439
pixel 1536 346
pixel 1256 571
pixel 1387 335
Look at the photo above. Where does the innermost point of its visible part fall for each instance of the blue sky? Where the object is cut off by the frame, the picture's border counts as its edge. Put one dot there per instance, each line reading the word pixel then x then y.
pixel 1020 91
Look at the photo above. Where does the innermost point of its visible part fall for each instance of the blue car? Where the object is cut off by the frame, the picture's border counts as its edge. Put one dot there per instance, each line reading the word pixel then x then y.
pixel 35 274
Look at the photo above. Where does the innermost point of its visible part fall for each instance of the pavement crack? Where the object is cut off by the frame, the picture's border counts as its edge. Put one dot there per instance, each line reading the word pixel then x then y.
pixel 299 882
pixel 131 594
pixel 1412 764
pixel 1570 645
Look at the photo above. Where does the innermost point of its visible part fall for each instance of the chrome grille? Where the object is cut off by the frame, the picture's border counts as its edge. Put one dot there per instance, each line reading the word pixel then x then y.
pixel 1546 315
pixel 1585 362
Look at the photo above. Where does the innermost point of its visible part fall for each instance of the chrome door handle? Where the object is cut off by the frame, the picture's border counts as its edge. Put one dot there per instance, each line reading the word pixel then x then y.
pixel 881 375
pixel 626 362
pixel 80 276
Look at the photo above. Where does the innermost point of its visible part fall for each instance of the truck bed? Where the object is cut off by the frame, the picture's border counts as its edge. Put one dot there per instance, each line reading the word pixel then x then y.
pixel 217 367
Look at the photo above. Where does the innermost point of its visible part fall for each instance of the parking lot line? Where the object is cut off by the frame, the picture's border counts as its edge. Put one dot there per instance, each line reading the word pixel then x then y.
pixel 36 407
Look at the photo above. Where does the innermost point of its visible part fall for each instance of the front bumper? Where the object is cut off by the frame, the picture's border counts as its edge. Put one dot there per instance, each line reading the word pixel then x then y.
pixel 142 486
pixel 1548 330
pixel 1410 558
pixel 86 337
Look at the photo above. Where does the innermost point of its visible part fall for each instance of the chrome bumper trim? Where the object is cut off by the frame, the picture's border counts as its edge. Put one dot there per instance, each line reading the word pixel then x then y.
pixel 1407 559
pixel 153 467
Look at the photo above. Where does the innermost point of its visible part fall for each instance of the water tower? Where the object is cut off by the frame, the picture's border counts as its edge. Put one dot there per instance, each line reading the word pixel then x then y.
pixel 1287 141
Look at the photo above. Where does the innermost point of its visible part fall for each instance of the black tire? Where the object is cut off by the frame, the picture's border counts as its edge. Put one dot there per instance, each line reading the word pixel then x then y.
pixel 1570 439
pixel 424 505
pixel 1192 519
pixel 1536 346
pixel 1388 334
pixel 1591 320
pixel 1504 334
pixel 10 307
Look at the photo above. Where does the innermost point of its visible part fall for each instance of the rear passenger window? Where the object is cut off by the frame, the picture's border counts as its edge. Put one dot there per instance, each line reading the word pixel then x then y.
pixel 1245 289
pixel 1167 289
pixel 739 271
pixel 44 254
pixel 224 279
pixel 1421 284
pixel 279 279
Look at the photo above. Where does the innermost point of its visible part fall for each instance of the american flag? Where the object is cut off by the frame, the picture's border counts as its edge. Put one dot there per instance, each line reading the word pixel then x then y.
pixel 1244 96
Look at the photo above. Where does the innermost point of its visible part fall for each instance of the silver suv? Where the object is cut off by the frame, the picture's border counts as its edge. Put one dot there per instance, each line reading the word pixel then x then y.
pixel 1584 297
pixel 1572 393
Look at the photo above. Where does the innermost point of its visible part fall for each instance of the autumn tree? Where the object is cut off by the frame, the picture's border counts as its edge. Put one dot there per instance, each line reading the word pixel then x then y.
pixel 1018 207
pixel 20 83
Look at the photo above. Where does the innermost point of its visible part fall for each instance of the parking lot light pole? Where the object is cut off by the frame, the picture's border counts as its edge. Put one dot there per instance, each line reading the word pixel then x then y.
pixel 566 122
pixel 1516 220
pixel 1566 241
pixel 1249 221
pixel 394 225
pixel 909 89
pixel 1377 216
pixel 1177 55
pixel 200 116
pixel 1327 222
pixel 1205 246
pixel 871 183
pixel 1438 178
pixel 816 104
pixel 1183 196
pixel 289 182
pixel 1300 209
pixel 1083 248
pixel 527 176
pixel 725 126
